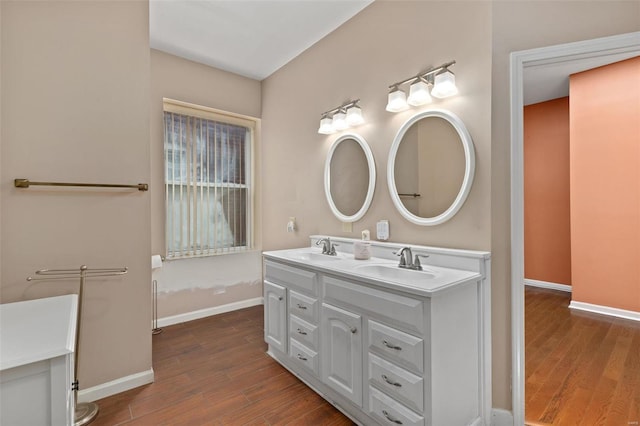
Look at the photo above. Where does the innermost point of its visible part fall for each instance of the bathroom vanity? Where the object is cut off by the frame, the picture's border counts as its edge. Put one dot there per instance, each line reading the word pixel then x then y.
pixel 37 343
pixel 385 345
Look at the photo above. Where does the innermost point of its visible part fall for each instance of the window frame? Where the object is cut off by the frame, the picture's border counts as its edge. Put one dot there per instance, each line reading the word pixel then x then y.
pixel 213 114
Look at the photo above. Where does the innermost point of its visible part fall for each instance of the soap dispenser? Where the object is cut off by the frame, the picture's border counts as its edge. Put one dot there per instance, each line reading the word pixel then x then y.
pixel 362 248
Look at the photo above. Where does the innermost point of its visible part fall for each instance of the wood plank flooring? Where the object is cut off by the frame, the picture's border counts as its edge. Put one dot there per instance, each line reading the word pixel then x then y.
pixel 580 368
pixel 215 371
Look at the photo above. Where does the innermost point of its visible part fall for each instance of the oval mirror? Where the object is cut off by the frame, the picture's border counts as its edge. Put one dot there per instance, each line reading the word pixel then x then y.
pixel 431 167
pixel 349 177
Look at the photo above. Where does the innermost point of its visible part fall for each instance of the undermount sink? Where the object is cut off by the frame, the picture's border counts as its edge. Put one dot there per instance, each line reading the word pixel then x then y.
pixel 393 272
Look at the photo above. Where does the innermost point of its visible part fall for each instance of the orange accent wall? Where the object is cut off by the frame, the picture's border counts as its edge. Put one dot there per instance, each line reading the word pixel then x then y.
pixel 605 185
pixel 547 247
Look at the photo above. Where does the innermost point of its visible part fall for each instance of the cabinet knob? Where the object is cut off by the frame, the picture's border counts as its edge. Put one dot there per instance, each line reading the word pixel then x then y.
pixel 353 330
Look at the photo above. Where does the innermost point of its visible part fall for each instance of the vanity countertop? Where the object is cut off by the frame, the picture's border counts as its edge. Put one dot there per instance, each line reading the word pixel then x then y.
pixel 36 330
pixel 379 271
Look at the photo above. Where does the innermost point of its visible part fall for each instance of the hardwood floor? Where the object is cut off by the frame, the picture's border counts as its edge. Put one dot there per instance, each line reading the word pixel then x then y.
pixel 215 371
pixel 580 368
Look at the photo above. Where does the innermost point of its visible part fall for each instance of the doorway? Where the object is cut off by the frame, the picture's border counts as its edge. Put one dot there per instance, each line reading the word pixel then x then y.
pixel 596 52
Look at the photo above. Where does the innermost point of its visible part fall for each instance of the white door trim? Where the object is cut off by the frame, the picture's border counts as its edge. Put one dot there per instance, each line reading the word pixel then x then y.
pixel 520 61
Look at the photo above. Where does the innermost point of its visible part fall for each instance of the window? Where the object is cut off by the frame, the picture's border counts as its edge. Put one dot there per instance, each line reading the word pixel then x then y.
pixel 208 180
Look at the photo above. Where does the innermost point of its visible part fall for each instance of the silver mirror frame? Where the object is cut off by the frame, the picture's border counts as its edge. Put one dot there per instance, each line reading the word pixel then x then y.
pixel 372 178
pixel 470 163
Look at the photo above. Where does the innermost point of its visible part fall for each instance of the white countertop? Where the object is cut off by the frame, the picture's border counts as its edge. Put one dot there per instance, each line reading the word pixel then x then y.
pixel 35 330
pixel 427 283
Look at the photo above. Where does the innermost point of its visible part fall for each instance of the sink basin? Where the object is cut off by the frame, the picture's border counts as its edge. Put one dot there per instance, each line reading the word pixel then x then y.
pixel 393 272
pixel 312 257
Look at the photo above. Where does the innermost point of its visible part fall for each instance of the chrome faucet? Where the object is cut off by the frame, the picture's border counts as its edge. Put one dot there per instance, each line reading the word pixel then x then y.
pixel 327 247
pixel 407 261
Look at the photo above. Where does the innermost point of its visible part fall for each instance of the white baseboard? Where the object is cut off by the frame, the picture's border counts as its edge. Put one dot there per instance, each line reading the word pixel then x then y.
pixel 202 313
pixel 116 386
pixel 605 310
pixel 500 417
pixel 545 284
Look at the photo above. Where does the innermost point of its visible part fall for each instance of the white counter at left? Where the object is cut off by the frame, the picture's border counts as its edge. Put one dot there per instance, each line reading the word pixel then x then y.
pixel 37 344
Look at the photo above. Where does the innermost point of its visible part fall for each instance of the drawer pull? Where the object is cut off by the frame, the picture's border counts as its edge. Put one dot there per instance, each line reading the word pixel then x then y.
pixel 301 307
pixel 390 418
pixel 391 346
pixel 391 382
pixel 300 357
pixel 304 333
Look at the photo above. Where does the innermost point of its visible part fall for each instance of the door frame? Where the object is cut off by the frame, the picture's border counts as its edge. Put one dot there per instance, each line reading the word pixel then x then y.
pixel 519 61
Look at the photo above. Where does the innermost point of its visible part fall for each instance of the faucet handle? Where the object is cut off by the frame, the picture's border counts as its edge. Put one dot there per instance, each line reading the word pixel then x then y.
pixel 416 261
pixel 332 251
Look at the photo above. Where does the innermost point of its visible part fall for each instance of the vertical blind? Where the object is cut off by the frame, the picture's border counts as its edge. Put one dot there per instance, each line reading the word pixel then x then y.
pixel 207 183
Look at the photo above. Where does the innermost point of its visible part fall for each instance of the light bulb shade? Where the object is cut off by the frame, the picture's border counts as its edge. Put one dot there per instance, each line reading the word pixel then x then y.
pixel 340 121
pixel 419 93
pixel 444 85
pixel 397 101
pixel 354 116
pixel 326 126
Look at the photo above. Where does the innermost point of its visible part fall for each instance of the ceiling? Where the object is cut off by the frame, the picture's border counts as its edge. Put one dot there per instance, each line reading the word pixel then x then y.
pixel 546 81
pixel 253 38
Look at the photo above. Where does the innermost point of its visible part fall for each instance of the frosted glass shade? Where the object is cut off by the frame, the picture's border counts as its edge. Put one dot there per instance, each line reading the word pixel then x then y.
pixel 326 126
pixel 340 121
pixel 354 116
pixel 419 94
pixel 444 85
pixel 397 101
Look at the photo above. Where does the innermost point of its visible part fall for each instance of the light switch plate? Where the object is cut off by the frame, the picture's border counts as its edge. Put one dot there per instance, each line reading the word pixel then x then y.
pixel 382 230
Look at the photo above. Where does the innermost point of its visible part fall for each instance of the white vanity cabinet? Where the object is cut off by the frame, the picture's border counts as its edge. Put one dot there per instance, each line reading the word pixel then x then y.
pixel 380 352
pixel 37 343
pixel 293 292
pixel 275 315
pixel 342 352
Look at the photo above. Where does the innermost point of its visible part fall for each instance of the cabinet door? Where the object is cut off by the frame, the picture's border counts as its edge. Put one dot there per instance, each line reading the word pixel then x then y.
pixel 342 352
pixel 275 316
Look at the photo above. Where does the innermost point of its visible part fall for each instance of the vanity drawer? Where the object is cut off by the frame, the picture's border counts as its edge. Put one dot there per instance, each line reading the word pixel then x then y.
pixel 303 306
pixel 304 332
pixel 405 311
pixel 399 347
pixel 304 356
pixel 291 277
pixel 397 382
pixel 390 412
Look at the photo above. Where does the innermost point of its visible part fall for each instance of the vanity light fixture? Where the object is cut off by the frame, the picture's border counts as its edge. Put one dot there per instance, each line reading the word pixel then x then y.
pixel 326 125
pixel 340 118
pixel 443 84
pixel 397 100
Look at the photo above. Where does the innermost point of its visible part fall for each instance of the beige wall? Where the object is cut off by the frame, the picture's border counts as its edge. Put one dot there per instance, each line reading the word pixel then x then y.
pixel 519 26
pixel 188 285
pixel 75 102
pixel 386 42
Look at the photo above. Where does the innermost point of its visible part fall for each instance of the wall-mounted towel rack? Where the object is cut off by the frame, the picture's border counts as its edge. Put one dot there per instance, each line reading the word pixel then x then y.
pixel 86 411
pixel 26 183
pixel 414 195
